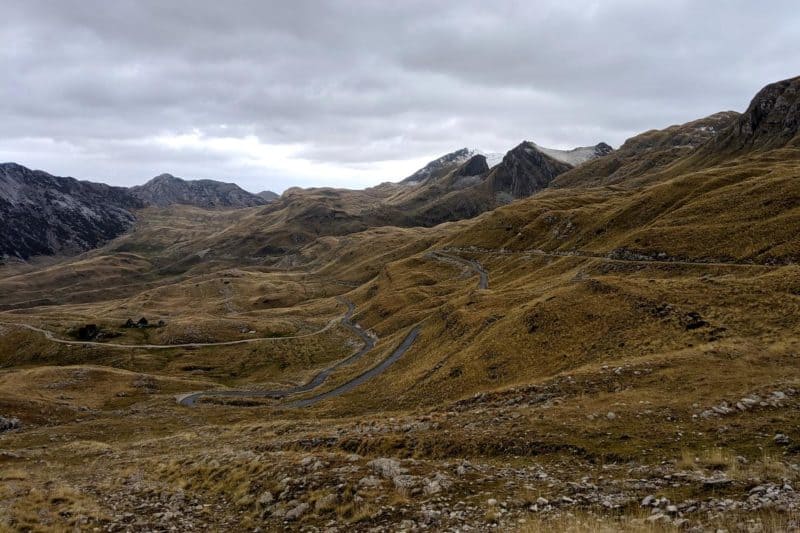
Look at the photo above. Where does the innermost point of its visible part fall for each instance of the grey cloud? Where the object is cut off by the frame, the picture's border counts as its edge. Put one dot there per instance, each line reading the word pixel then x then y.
pixel 88 84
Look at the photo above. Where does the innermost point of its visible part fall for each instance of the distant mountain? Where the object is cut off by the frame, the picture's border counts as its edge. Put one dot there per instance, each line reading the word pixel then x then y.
pixel 463 184
pixel 525 170
pixel 43 214
pixel 447 163
pixel 268 196
pixel 166 189
pixel 439 166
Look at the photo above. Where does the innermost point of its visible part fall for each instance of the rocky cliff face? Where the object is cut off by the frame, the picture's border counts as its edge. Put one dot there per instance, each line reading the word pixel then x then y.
pixel 474 166
pixel 771 120
pixel 41 214
pixel 524 171
pixel 166 190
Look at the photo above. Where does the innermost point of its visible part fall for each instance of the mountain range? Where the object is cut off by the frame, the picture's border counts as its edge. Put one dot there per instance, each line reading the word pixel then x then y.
pixel 44 214
pixel 51 215
pixel 519 344
pixel 444 189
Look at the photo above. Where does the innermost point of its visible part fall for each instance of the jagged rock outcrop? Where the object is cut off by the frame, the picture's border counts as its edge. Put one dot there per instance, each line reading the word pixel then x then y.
pixel 43 214
pixel 440 166
pixel 167 189
pixel 474 166
pixel 771 120
pixel 524 171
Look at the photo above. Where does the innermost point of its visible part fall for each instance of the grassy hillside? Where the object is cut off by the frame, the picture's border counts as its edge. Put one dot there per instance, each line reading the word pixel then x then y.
pixel 629 362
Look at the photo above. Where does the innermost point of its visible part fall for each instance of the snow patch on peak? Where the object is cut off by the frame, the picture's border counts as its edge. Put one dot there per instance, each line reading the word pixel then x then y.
pixel 576 156
pixel 492 158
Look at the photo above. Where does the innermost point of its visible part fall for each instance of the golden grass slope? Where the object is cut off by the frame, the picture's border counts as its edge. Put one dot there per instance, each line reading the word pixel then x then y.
pixel 634 340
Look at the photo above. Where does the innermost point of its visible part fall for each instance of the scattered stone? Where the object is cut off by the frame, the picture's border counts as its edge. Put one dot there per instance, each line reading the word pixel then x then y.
pixel 693 320
pixel 296 512
pixel 680 523
pixel 8 424
pixel 266 499
pixel 387 468
pixel 716 483
pixel 781 440
pixel 369 482
pixel 405 482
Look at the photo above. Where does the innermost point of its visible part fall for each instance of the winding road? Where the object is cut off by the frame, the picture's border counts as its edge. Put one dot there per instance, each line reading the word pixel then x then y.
pixel 49 335
pixel 378 369
pixel 483 275
pixel 189 400
pixel 447 255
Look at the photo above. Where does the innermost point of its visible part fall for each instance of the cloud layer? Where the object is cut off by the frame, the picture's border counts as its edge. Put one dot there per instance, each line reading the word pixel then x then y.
pixel 272 94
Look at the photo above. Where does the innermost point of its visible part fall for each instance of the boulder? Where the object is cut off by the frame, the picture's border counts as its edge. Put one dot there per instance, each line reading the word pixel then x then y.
pixel 8 424
pixel 387 468
pixel 296 512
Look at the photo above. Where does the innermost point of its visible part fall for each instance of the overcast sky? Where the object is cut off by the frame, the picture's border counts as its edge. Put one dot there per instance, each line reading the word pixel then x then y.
pixel 271 94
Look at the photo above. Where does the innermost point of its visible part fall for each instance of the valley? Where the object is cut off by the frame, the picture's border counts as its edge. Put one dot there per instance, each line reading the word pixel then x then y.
pixel 532 346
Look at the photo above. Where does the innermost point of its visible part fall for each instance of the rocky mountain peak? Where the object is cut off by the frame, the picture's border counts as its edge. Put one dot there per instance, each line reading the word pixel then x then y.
pixel 165 177
pixel 601 149
pixel 166 189
pixel 773 117
pixel 439 166
pixel 525 170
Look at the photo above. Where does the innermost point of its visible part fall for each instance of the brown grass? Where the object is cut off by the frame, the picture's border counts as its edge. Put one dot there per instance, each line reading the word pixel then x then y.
pixel 579 358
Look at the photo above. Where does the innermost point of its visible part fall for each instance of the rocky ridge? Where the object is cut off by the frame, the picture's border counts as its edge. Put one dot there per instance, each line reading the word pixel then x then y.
pixel 772 120
pixel 44 214
pixel 166 189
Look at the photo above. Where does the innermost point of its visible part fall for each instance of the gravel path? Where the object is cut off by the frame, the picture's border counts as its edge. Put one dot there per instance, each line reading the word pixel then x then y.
pixel 190 400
